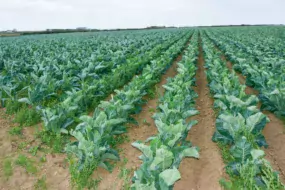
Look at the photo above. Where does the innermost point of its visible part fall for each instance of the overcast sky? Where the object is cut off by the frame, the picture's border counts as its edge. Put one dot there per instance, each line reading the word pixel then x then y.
pixel 43 14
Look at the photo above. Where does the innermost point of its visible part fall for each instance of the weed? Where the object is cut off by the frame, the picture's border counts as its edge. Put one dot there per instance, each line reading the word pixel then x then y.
pixel 16 130
pixel 226 184
pixel 54 141
pixel 93 183
pixel 22 160
pixel 12 106
pixel 225 152
pixel 247 173
pixel 125 175
pixel 43 158
pixel 34 150
pixel 26 163
pixel 271 178
pixel 146 122
pixel 22 145
pixel 7 168
pixel 59 143
pixel 82 178
pixel 50 102
pixel 41 184
pixel 125 161
pixel 152 92
pixel 151 110
pixel 27 116
pixel 120 139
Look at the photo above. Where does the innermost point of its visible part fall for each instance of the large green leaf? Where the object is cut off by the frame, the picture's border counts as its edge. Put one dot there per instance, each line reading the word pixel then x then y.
pixel 162 160
pixel 241 151
pixel 168 177
pixel 190 152
pixel 256 154
pixel 228 127
pixel 144 148
pixel 256 122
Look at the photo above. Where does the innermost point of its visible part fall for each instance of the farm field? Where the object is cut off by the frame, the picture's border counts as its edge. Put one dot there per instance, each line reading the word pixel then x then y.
pixel 178 108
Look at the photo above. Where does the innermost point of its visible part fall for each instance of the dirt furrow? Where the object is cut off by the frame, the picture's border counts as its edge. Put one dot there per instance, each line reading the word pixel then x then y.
pixel 144 130
pixel 274 131
pixel 52 171
pixel 205 172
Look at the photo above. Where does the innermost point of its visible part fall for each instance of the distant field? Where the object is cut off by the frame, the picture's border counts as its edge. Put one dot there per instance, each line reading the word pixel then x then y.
pixel 7 34
pixel 201 108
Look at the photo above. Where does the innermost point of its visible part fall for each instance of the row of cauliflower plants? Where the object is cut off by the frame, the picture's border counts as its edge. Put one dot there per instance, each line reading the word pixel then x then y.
pixel 264 68
pixel 59 117
pixel 239 126
pixel 61 77
pixel 94 135
pixel 163 152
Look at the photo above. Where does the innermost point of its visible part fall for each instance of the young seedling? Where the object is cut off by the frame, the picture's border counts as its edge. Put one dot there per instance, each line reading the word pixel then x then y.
pixel 26 163
pixel 152 92
pixel 41 184
pixel 16 130
pixel 55 142
pixel 27 116
pixel 7 168
pixel 146 122
pixel 125 175
pixel 34 150
pixel 22 145
pixel 83 178
pixel 43 158
pixel 151 110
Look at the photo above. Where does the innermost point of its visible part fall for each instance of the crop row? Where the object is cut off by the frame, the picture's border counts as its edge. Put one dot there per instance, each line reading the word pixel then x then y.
pixel 264 70
pixel 163 152
pixel 257 41
pixel 60 116
pixel 71 82
pixel 239 126
pixel 94 135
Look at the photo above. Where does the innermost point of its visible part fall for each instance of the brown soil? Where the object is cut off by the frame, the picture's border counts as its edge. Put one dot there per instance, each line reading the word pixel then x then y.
pixel 144 130
pixel 54 169
pixel 205 172
pixel 274 132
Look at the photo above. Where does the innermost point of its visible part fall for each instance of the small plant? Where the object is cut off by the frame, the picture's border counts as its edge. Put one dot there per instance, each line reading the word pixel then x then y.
pixel 16 130
pixel 56 142
pixel 151 110
pixel 227 185
pixel 7 168
pixel 152 92
pixel 225 152
pixel 22 145
pixel 59 143
pixel 43 158
pixel 41 184
pixel 34 150
pixel 125 174
pixel 120 139
pixel 50 102
pixel 26 163
pixel 82 179
pixel 27 116
pixel 12 106
pixel 146 122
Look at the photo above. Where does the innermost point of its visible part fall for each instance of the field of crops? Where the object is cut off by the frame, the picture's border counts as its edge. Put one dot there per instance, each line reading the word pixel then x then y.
pixel 179 108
